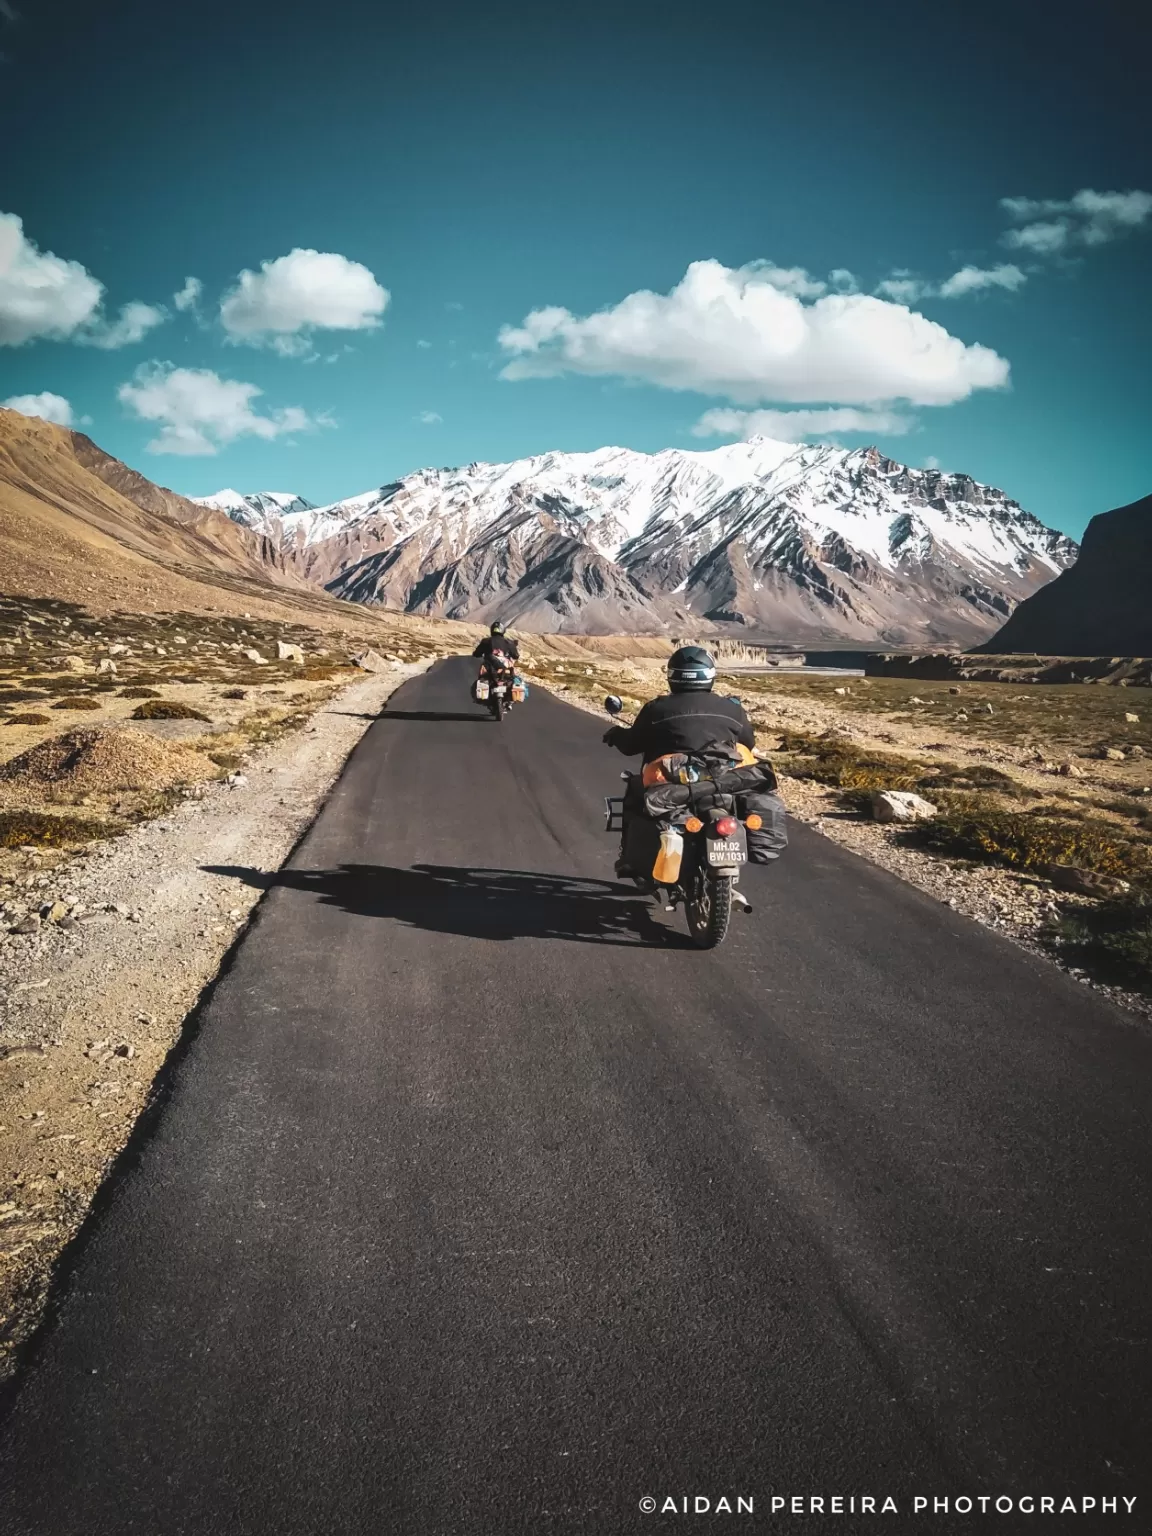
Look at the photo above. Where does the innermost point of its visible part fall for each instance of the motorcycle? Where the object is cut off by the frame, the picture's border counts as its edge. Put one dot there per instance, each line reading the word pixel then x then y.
pixel 703 844
pixel 499 688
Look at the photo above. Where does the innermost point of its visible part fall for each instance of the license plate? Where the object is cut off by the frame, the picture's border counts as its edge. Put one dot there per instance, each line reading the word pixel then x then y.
pixel 728 850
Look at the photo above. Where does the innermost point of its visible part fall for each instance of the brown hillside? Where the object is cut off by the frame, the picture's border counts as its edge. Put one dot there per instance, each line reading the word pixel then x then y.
pixel 78 525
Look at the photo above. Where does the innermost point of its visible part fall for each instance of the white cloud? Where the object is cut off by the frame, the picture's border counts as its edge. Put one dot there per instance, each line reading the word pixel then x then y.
pixel 904 289
pixel 423 345
pixel 289 298
pixel 198 411
pixel 731 332
pixel 41 295
pixel 47 406
pixel 794 426
pixel 1050 225
pixel 189 295
pixel 1043 239
pixel 132 325
pixel 430 418
pixel 974 279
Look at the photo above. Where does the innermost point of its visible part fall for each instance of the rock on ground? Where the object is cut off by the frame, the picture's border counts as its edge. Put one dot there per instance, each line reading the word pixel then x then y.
pixel 890 805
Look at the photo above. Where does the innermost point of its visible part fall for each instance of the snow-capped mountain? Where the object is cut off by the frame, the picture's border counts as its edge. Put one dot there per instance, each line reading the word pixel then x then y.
pixel 256 510
pixel 792 543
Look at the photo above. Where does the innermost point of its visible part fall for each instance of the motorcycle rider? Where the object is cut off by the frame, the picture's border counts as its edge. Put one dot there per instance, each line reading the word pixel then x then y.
pixel 499 653
pixel 691 719
pixel 497 643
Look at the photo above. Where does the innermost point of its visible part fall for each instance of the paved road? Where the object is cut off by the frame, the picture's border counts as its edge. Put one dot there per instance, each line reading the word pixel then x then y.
pixel 480 1203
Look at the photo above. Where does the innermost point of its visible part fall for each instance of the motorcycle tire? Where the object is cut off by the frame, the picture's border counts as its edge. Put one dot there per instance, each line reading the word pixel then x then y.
pixel 497 708
pixel 708 908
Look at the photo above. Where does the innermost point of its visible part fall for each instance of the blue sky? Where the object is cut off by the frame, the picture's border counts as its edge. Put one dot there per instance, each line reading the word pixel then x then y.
pixel 493 190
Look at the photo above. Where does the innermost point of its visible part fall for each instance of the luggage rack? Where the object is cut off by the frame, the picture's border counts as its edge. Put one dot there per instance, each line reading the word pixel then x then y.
pixel 613 813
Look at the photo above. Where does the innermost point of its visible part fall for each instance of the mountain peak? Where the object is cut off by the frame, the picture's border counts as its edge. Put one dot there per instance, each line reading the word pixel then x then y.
pixel 788 541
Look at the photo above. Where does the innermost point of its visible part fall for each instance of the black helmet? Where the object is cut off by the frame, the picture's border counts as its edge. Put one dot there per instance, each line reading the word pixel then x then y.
pixel 496 629
pixel 690 670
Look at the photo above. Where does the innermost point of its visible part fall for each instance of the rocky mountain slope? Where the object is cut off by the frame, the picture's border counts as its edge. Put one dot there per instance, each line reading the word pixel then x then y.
pixel 78 526
pixel 781 542
pixel 1103 605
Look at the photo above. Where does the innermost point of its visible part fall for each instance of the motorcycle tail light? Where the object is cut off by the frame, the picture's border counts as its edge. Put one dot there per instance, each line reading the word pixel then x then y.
pixel 693 824
pixel 726 826
pixel 754 822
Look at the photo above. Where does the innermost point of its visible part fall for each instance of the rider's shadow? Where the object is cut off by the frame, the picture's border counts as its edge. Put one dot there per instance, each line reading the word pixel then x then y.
pixel 492 904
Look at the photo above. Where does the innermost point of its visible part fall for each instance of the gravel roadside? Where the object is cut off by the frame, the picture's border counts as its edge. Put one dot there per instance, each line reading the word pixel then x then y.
pixel 89 1010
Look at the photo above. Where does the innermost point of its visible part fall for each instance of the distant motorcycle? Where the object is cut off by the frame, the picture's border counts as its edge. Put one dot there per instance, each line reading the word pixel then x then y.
pixel 695 850
pixel 499 688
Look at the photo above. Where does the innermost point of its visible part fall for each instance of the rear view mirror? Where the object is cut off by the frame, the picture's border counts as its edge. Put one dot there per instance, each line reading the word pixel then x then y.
pixel 613 705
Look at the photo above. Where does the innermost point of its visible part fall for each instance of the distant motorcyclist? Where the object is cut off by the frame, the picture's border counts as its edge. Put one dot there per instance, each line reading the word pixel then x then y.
pixel 497 643
pixel 498 654
pixel 692 720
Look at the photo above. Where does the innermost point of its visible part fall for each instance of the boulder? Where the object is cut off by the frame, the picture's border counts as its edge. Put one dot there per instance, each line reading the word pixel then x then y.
pixel 286 652
pixel 370 661
pixel 107 666
pixel 889 805
pixel 1113 754
pixel 255 656
pixel 75 664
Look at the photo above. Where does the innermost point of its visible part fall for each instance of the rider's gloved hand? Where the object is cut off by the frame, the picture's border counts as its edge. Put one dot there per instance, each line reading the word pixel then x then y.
pixel 612 734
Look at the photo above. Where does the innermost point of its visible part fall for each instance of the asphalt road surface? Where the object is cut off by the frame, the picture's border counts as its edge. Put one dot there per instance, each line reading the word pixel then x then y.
pixel 479 1202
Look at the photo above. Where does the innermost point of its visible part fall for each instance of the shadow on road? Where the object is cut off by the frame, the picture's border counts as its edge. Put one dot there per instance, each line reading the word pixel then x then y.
pixel 496 904
pixel 430 714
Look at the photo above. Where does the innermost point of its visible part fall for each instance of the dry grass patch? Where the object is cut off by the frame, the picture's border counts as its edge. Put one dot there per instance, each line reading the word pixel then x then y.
pixel 77 701
pixel 166 709
pixel 975 827
pixel 37 829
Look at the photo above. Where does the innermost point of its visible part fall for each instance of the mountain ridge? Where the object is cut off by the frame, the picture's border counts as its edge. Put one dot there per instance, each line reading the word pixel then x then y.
pixel 777 541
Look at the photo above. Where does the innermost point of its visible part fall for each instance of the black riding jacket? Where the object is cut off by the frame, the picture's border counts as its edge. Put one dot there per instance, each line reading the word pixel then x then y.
pixel 683 722
pixel 493 645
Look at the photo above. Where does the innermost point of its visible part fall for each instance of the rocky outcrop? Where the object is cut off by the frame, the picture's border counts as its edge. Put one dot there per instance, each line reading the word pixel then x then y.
pixel 1103 604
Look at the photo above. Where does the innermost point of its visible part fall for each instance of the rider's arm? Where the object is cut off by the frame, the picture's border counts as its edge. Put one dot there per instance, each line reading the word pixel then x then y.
pixel 630 739
pixel 482 649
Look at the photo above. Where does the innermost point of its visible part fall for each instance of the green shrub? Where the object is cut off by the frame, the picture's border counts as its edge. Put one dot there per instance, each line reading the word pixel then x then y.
pixel 166 709
pixel 1113 940
pixel 973 829
pixel 44 831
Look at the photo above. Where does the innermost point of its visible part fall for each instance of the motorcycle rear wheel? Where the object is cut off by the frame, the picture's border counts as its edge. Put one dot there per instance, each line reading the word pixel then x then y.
pixel 708 908
pixel 497 707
